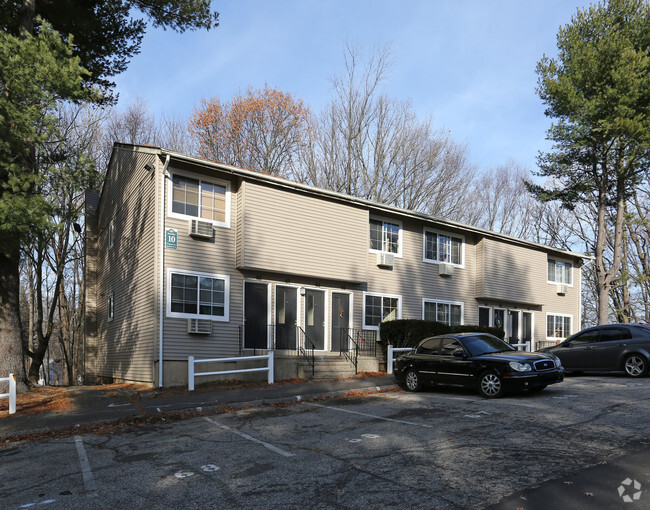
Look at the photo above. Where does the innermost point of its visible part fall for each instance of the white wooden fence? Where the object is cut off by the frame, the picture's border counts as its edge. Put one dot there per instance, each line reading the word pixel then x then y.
pixel 392 358
pixel 12 392
pixel 191 362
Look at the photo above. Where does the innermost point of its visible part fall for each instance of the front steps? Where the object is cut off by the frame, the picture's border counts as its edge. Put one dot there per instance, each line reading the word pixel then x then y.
pixel 329 366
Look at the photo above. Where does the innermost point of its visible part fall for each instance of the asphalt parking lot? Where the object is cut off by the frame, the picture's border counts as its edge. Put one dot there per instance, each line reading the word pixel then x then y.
pixel 441 449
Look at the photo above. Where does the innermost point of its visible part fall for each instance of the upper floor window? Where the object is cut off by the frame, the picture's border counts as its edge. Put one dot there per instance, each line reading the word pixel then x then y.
pixel 385 236
pixel 559 272
pixel 197 295
pixel 380 307
pixel 440 247
pixel 111 234
pixel 111 307
pixel 200 199
pixel 447 312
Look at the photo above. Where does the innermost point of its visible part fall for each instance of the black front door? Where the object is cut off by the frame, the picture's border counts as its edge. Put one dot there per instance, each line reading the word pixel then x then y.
pixel 315 318
pixel 513 327
pixel 256 322
pixel 285 317
pixel 340 321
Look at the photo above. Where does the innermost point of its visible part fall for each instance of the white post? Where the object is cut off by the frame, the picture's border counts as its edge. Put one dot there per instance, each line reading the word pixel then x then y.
pixel 190 373
pixel 270 367
pixel 389 362
pixel 12 394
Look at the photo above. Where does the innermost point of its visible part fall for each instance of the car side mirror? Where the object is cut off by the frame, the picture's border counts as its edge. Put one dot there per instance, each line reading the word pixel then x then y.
pixel 459 353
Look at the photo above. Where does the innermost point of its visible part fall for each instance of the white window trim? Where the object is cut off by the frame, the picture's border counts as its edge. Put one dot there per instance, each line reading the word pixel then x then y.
pixel 443 302
pixel 200 178
pixel 400 239
pixel 381 294
pixel 111 307
pixel 554 314
pixel 560 260
pixel 448 234
pixel 111 234
pixel 181 315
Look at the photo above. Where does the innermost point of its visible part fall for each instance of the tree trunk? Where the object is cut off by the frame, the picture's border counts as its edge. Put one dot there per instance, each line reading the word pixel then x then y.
pixel 11 344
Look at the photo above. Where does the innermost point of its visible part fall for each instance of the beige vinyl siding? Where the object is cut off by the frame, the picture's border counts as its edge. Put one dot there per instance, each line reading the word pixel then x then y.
pixel 414 279
pixel 125 345
pixel 567 304
pixel 212 256
pixel 511 273
pixel 298 234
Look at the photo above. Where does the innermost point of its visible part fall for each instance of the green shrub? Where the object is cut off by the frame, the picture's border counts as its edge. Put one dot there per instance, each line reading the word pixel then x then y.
pixel 410 332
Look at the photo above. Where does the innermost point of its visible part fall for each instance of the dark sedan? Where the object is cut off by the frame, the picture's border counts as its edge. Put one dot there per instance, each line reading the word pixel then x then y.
pixel 476 360
pixel 608 348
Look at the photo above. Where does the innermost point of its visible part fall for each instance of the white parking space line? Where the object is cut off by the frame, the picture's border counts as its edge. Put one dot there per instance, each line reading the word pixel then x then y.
pixel 369 415
pixel 86 473
pixel 250 438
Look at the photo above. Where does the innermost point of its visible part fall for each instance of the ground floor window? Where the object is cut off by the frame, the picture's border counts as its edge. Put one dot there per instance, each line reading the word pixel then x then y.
pixel 447 312
pixel 380 307
pixel 558 326
pixel 197 295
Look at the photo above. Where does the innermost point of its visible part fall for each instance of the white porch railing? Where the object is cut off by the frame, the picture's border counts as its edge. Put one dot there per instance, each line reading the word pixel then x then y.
pixel 392 358
pixel 522 346
pixel 12 392
pixel 191 362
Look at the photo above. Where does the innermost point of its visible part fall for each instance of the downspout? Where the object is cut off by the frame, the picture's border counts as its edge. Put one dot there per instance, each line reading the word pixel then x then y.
pixel 161 255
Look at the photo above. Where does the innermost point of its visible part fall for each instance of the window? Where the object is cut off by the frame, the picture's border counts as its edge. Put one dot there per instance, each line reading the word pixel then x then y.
pixel 440 247
pixel 448 346
pixel 111 307
pixel 385 236
pixel 209 201
pixel 111 234
pixel 431 346
pixel 380 307
pixel 559 272
pixel 447 312
pixel 558 326
pixel 197 295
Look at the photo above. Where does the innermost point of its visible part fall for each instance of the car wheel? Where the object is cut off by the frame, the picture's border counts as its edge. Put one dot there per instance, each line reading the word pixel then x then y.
pixel 412 381
pixel 537 388
pixel 489 385
pixel 636 365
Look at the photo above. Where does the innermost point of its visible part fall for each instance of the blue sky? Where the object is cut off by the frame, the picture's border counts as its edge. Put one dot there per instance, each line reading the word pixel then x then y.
pixel 468 63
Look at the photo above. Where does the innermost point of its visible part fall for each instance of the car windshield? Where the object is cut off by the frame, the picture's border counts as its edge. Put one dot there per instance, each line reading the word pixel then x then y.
pixel 484 344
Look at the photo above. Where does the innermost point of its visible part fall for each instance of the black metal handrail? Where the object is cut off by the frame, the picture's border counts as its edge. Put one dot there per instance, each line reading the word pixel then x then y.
pixel 306 348
pixel 351 354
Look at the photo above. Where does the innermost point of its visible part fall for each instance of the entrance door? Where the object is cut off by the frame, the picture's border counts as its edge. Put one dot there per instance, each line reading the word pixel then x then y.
pixel 256 318
pixel 513 327
pixel 527 329
pixel 315 317
pixel 340 321
pixel 286 317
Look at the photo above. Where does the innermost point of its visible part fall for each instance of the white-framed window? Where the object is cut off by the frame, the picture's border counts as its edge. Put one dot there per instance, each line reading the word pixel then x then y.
pixel 447 312
pixel 441 247
pixel 380 307
pixel 193 295
pixel 558 326
pixel 111 307
pixel 385 236
pixel 559 272
pixel 205 199
pixel 111 234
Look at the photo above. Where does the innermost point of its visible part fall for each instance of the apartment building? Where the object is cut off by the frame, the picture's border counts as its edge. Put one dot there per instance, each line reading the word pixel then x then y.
pixel 191 257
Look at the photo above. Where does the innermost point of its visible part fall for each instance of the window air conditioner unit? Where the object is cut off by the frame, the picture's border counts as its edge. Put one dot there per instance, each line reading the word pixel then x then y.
pixel 199 326
pixel 445 269
pixel 200 228
pixel 561 288
pixel 385 259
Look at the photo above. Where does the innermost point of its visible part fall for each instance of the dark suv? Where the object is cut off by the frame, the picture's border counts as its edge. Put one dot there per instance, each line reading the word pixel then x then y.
pixel 608 348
